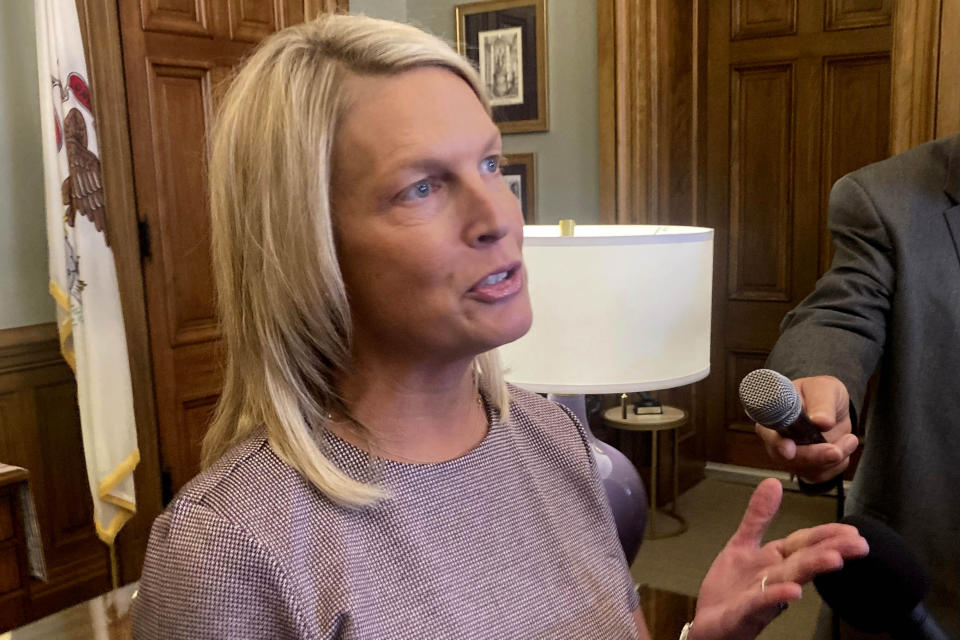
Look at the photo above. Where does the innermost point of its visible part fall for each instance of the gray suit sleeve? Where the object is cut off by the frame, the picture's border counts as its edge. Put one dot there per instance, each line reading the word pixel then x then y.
pixel 840 328
pixel 205 578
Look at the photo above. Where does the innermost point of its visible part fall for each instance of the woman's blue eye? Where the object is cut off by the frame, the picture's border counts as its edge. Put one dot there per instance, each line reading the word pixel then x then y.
pixel 491 165
pixel 418 191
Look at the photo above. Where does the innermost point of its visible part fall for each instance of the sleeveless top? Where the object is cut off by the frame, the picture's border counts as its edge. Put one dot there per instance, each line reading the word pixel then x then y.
pixel 512 540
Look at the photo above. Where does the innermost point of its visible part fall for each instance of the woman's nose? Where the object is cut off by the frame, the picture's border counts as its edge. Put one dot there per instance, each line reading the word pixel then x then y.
pixel 492 209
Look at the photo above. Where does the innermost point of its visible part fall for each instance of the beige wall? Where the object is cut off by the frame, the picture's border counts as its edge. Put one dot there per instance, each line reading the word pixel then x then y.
pixel 386 9
pixel 567 179
pixel 23 250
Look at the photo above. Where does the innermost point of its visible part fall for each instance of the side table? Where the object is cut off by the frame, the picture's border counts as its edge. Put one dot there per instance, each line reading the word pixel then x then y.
pixel 671 419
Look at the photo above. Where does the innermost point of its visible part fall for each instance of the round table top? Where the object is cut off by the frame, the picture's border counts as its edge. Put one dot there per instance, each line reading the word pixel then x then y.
pixel 671 418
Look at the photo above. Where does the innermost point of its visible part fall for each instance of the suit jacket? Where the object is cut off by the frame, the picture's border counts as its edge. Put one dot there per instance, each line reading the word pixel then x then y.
pixel 891 302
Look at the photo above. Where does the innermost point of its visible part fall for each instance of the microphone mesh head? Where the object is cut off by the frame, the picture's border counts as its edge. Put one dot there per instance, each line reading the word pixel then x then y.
pixel 769 398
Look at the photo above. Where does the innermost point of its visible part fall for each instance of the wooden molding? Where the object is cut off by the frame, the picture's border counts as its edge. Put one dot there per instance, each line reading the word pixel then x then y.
pixel 19 336
pixel 627 106
pixel 650 111
pixel 105 68
pixel 916 63
pixel 948 82
pixel 29 347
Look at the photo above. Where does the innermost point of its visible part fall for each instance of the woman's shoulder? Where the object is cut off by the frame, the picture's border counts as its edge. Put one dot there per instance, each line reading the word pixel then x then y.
pixel 547 421
pixel 535 406
pixel 251 490
pixel 248 471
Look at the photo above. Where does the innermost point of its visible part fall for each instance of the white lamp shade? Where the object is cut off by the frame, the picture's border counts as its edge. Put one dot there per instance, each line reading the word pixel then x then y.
pixel 616 308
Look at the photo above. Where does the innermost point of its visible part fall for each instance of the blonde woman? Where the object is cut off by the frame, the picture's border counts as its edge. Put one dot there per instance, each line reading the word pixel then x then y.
pixel 368 473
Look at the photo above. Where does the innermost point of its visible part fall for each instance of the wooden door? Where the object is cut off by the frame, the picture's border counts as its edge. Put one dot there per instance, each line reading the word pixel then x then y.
pixel 178 54
pixel 798 94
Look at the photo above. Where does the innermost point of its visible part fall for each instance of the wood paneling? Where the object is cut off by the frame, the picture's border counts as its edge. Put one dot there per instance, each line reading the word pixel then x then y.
pixel 183 17
pixel 180 119
pixel 856 129
pixel 857 14
pixel 761 169
pixel 786 116
pixel 926 87
pixel 762 18
pixel 948 80
pixel 40 431
pixel 253 20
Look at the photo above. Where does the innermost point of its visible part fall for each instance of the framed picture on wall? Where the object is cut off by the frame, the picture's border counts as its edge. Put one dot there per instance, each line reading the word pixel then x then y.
pixel 520 172
pixel 507 42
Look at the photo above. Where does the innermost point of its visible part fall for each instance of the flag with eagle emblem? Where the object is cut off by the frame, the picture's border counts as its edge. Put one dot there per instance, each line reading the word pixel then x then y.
pixel 83 279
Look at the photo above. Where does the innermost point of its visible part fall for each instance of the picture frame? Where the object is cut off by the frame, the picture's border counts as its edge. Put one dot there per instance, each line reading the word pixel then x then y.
pixel 507 42
pixel 520 172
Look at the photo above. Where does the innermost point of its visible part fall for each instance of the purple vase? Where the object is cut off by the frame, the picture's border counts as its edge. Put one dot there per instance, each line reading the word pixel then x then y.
pixel 621 482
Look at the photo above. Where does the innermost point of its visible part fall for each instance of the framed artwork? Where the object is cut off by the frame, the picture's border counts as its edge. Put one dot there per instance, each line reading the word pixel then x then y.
pixel 520 172
pixel 507 42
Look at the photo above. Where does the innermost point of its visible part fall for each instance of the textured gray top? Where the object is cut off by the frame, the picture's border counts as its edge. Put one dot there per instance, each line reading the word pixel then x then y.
pixel 512 540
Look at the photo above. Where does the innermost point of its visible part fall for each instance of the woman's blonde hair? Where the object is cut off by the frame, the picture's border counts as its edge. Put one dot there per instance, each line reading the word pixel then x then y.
pixel 281 296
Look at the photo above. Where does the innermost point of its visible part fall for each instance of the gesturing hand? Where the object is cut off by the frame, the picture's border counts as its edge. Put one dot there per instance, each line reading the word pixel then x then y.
pixel 746 584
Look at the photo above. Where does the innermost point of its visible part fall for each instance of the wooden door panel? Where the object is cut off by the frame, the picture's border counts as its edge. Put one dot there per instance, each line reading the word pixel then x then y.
pixel 763 18
pixel 857 14
pixel 856 129
pixel 181 107
pixel 184 17
pixel 253 20
pixel 761 163
pixel 787 115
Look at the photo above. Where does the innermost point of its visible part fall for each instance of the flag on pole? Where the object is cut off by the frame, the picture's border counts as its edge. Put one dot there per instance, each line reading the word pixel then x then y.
pixel 83 279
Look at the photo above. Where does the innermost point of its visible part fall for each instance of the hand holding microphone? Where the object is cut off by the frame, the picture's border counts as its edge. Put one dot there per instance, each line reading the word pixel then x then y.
pixel 809 411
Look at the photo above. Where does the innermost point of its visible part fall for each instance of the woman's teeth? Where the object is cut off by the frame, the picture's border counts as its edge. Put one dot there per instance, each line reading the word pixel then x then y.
pixel 494 279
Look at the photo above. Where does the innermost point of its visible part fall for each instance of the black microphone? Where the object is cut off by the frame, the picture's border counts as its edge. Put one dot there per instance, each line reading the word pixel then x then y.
pixel 770 399
pixel 884 590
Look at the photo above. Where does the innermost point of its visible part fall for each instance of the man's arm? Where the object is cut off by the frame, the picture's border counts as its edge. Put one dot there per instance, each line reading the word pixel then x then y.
pixel 831 343
pixel 840 328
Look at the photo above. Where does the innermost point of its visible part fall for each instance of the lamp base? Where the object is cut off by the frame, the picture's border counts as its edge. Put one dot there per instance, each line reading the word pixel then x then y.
pixel 621 482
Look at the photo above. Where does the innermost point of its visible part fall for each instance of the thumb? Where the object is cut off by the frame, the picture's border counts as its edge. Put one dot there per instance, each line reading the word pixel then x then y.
pixel 764 504
pixel 824 399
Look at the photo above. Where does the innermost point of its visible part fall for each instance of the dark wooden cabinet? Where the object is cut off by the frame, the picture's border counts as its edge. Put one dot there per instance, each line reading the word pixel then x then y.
pixel 14 596
pixel 40 431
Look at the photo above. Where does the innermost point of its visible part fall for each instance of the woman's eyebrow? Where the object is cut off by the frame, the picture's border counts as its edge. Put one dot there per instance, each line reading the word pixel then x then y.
pixel 436 161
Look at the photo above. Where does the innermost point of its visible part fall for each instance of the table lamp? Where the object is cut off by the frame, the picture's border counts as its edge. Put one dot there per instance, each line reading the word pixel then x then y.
pixel 616 309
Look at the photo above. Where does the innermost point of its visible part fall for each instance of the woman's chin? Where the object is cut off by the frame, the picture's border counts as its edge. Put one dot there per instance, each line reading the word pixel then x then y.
pixel 514 331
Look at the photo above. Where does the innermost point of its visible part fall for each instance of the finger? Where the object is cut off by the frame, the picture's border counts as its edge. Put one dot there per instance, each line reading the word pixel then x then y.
pixel 847 443
pixel 780 449
pixel 806 564
pixel 819 456
pixel 811 536
pixel 763 505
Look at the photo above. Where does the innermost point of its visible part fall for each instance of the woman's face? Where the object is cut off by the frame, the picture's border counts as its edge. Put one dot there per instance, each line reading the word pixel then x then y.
pixel 429 234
